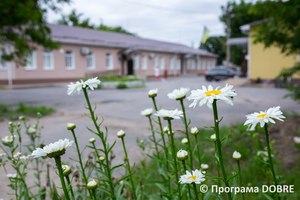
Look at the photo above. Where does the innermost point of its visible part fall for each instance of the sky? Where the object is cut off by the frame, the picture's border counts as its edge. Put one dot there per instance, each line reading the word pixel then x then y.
pixel 178 21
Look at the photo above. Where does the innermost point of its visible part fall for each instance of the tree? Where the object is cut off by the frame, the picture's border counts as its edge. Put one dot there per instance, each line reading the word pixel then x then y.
pixel 239 17
pixel 23 21
pixel 73 19
pixel 216 45
pixel 281 28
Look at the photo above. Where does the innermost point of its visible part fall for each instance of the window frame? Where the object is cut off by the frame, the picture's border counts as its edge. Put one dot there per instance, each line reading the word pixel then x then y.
pixel 91 55
pixel 109 61
pixel 51 60
pixel 33 65
pixel 144 62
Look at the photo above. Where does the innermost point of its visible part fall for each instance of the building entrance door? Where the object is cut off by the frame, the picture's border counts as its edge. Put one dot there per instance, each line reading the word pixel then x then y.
pixel 130 67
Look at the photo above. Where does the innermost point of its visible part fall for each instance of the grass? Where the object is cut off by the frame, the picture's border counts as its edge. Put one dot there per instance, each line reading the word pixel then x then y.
pixel 12 112
pixel 254 171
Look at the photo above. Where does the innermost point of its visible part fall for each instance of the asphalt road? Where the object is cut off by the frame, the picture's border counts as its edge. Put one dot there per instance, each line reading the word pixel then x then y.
pixel 121 110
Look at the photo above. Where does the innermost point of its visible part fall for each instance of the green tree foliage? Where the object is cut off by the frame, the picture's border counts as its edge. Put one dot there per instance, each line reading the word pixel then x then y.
pixel 22 21
pixel 73 19
pixel 239 16
pixel 216 45
pixel 281 28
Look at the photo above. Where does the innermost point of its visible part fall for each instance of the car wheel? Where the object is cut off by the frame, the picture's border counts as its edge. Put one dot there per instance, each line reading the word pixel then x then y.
pixel 217 79
pixel 208 78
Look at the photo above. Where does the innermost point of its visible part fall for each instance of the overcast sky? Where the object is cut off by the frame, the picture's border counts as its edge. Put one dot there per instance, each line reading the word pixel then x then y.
pixel 179 21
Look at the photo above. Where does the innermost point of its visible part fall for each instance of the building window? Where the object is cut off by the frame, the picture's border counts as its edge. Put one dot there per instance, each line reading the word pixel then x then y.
pixel 155 62
pixel 31 61
pixel 48 60
pixel 136 62
pixel 208 64
pixel 203 64
pixel 193 64
pixel 198 63
pixel 70 60
pixel 178 64
pixel 171 63
pixel 162 63
pixel 144 62
pixel 90 61
pixel 213 64
pixel 2 62
pixel 109 61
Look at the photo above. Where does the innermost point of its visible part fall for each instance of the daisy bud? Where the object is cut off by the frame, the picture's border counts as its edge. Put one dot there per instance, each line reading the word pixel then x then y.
pixel 49 164
pixel 194 130
pixel 152 93
pixel 184 141
pixel 121 134
pixel 66 170
pixel 101 158
pixel 92 140
pixel 296 140
pixel 18 124
pixel 71 126
pixel 204 166
pixel 92 185
pixel 213 137
pixel 21 117
pixel 236 155
pixel 182 155
pixel 166 129
pixel 170 133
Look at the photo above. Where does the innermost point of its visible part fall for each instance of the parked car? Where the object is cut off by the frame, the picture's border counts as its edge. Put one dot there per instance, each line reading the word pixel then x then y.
pixel 220 73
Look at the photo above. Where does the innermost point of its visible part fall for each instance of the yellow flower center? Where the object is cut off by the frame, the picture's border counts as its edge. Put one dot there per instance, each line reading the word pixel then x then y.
pixel 215 92
pixel 8 139
pixel 16 154
pixel 193 177
pixel 4 137
pixel 262 115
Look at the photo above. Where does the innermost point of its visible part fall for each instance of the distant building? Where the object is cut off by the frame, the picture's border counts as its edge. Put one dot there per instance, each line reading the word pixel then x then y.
pixel 265 63
pixel 87 52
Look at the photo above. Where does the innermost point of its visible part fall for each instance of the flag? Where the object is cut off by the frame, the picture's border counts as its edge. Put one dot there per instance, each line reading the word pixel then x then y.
pixel 205 35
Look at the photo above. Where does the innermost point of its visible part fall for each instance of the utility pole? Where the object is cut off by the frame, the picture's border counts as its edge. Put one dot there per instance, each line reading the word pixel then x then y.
pixel 228 31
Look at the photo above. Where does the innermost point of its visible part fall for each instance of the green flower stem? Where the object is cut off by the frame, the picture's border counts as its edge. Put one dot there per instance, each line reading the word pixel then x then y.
pixel 166 150
pixel 174 157
pixel 38 172
pixel 26 195
pixel 108 170
pixel 97 154
pixel 129 169
pixel 218 165
pixel 70 186
pixel 187 133
pixel 195 189
pixel 61 176
pixel 189 189
pixel 79 156
pixel 94 194
pixel 270 157
pixel 239 168
pixel 199 154
pixel 160 126
pixel 153 134
pixel 218 141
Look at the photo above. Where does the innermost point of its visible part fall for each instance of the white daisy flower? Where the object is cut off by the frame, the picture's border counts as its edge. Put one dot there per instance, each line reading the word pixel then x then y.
pixel 17 155
pixel 182 155
pixel 147 112
pixel 11 175
pixel 2 154
pixel 296 140
pixel 153 92
pixel 178 94
pixel 194 130
pixel 184 141
pixel 7 139
pixel 53 149
pixel 263 117
pixel 196 176
pixel 24 158
pixel 236 155
pixel 169 114
pixel 91 83
pixel 207 96
pixel 32 130
pixel 204 166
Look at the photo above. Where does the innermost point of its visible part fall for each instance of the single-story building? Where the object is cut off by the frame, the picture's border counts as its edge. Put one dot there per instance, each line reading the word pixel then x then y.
pixel 265 63
pixel 87 52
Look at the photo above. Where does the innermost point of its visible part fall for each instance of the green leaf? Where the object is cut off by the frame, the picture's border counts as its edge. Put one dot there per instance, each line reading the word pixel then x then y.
pixel 161 187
